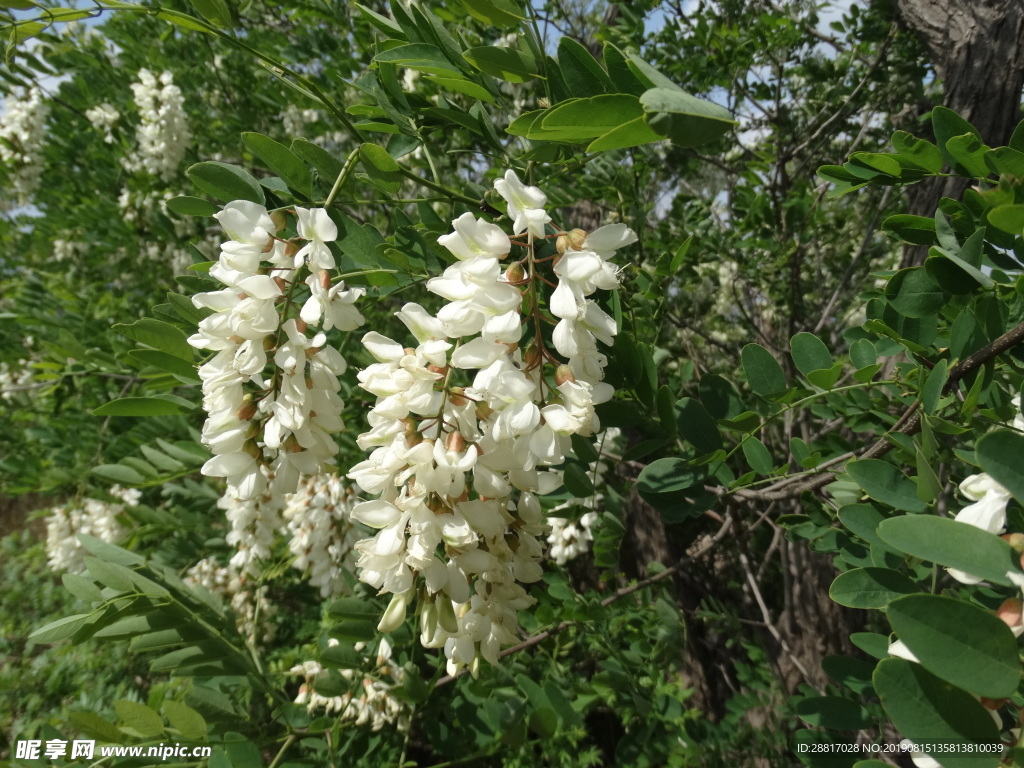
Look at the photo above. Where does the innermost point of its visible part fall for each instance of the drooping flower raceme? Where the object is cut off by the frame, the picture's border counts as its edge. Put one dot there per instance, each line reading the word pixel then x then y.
pixel 318 518
pixel 22 131
pixel 163 135
pixel 270 388
pixel 466 430
pixel 103 520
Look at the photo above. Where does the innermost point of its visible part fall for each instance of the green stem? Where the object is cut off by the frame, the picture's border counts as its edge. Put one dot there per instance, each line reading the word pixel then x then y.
pixel 292 738
pixel 346 170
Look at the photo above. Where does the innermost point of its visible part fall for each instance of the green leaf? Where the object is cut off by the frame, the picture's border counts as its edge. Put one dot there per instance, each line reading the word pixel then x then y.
pixel 999 454
pixel 932 390
pixel 147 358
pixel 667 475
pixel 885 483
pixel 809 353
pixel 353 608
pixel 281 161
pixel 91 724
pixel 326 164
pixel 1008 218
pixel 139 718
pixel 952 544
pixel 381 167
pixel 138 406
pixel 697 426
pixel 927 709
pixel 963 644
pixel 870 587
pixel 763 372
pixel 757 455
pixel 914 293
pixel 969 153
pixel 918 230
pixel 577 481
pixel 118 473
pixel 111 575
pixel 497 13
pixel 422 57
pixel 582 74
pixel 506 64
pixel 947 124
pixel 833 712
pixel 356 630
pixel 225 182
pixel 108 552
pixel 588 118
pixel 862 353
pixel 158 335
pixel 185 205
pixel 186 720
pixel 466 87
pixel 341 656
pixel 918 152
pixel 217 12
pixel 719 396
pixel 82 588
pixel 685 119
pixel 60 629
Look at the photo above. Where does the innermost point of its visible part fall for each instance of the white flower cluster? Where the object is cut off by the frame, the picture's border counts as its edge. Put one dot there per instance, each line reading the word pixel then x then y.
pixel 22 130
pixel 228 583
pixel 103 118
pixel 271 390
pixel 16 379
pixel 163 135
pixel 372 703
pixel 93 517
pixel 322 534
pixel 569 539
pixel 457 470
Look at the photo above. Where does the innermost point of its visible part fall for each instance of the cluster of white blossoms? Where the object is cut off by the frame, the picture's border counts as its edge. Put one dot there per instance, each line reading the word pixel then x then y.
pixel 318 520
pixel 104 117
pixel 568 539
pixel 241 592
pixel 163 135
pixel 22 133
pixel 270 388
pixel 100 519
pixel 370 702
pixel 457 467
pixel 15 379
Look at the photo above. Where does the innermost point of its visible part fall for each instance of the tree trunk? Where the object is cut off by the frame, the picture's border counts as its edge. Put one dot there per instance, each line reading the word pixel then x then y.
pixel 977 51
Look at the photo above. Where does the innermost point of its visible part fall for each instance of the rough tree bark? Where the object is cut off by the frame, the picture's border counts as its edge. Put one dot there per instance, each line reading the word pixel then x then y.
pixel 977 51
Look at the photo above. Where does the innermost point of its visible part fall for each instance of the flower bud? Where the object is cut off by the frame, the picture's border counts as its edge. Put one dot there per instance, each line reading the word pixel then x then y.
pixel 281 284
pixel 455 442
pixel 300 325
pixel 483 411
pixel 279 220
pixel 1015 540
pixel 252 449
pixel 247 409
pixel 1011 611
pixel 437 369
pixel 533 356
pixel 455 396
pixel 576 239
pixel 291 248
pixel 291 444
pixel 515 273
pixel 325 279
pixel 563 373
pixel 446 614
pixel 395 613
pixel 562 244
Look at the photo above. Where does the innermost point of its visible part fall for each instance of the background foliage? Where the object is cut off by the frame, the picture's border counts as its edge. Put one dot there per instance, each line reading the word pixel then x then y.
pixel 805 373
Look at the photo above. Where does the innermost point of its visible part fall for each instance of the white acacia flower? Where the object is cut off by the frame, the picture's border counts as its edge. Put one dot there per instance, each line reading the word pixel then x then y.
pixel 525 204
pixel 316 226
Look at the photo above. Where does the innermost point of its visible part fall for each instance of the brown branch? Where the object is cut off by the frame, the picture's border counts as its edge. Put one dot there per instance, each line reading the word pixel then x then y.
pixel 618 595
pixel 908 424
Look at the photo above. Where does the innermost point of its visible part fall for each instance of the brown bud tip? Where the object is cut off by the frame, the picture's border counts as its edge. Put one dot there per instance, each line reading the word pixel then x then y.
pixel 279 220
pixel 247 409
pixel 325 279
pixel 1011 612
pixel 291 248
pixel 291 444
pixel 252 449
pixel 1015 540
pixel 515 273
pixel 268 343
pixel 562 243
pixel 281 284
pixel 437 369
pixel 532 356
pixel 300 325
pixel 455 442
pixel 483 411
pixel 563 373
pixel 576 238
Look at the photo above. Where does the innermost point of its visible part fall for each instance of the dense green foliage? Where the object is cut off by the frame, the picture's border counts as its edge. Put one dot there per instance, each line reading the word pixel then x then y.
pixel 774 562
